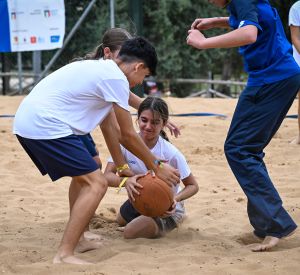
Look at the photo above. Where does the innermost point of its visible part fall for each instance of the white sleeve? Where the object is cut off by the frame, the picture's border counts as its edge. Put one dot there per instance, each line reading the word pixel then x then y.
pixel 115 90
pixel 294 15
pixel 110 160
pixel 179 162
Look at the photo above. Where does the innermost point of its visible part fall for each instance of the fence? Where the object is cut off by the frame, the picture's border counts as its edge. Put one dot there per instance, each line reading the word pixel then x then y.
pixel 20 71
pixel 209 90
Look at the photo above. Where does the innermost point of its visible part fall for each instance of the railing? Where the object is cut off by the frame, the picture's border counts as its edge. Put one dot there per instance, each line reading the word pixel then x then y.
pixel 208 91
pixel 29 78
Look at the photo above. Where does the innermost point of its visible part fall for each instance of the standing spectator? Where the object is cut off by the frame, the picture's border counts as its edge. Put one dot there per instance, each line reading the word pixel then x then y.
pixel 273 83
pixel 294 23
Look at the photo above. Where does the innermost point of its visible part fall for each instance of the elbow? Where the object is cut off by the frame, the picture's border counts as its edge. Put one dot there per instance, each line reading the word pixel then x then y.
pixel 250 34
pixel 194 188
pixel 252 38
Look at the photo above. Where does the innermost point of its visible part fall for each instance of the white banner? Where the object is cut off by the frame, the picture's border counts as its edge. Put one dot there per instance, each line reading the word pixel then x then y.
pixel 31 25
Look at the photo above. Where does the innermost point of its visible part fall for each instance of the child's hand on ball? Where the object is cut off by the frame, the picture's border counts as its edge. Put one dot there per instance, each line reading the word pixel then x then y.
pixel 171 211
pixel 132 185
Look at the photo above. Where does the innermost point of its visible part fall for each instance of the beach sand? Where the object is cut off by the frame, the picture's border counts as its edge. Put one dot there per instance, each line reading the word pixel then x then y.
pixel 212 240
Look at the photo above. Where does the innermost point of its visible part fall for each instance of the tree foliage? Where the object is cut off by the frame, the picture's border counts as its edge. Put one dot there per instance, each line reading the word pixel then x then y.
pixel 166 23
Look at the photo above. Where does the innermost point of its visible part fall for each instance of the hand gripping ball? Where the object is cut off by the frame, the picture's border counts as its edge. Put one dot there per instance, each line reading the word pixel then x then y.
pixel 156 197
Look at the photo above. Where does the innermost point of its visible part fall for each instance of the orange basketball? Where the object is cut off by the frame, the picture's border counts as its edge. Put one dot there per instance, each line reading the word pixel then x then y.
pixel 155 198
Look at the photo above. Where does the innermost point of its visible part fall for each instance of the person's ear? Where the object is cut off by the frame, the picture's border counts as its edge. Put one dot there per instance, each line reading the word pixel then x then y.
pixel 138 66
pixel 107 53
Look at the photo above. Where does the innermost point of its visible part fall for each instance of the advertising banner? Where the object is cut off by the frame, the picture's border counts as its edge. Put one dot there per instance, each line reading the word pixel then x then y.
pixel 31 25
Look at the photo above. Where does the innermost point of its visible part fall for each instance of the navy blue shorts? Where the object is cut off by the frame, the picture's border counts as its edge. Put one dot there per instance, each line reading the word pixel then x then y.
pixel 129 213
pixel 89 144
pixel 66 156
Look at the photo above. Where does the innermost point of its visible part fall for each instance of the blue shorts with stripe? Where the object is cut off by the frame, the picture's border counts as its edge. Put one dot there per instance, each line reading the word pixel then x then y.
pixel 66 156
pixel 89 144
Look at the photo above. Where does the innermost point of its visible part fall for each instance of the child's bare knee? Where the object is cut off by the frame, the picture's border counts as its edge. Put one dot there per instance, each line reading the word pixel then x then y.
pixel 120 220
pixel 128 234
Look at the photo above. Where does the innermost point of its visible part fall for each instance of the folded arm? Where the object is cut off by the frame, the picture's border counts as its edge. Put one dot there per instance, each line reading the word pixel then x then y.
pixel 190 188
pixel 236 38
pixel 210 23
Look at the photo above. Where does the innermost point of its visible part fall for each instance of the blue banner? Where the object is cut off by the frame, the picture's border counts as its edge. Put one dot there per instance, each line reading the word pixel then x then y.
pixel 4 27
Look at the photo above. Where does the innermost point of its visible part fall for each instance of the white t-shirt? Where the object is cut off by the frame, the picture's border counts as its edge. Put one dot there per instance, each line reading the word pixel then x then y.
pixel 72 100
pixel 166 151
pixel 294 20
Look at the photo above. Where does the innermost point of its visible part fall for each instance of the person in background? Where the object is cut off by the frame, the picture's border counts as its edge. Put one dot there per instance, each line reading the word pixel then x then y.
pixel 294 23
pixel 273 83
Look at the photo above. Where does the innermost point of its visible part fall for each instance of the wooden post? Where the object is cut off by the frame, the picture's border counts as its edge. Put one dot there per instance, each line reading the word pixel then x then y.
pixel 136 14
pixel 5 79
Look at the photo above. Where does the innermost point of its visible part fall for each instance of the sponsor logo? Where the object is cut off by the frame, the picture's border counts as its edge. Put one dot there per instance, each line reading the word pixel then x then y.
pixel 54 38
pixel 13 15
pixel 54 12
pixel 47 13
pixel 241 24
pixel 16 40
pixel 32 39
pixel 50 13
pixel 41 40
pixel 132 161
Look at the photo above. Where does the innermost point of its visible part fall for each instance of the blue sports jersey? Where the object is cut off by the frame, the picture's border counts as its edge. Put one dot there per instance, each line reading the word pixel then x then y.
pixel 270 58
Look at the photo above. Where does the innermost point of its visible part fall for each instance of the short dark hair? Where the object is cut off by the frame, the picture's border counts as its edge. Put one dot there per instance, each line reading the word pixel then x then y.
pixel 139 48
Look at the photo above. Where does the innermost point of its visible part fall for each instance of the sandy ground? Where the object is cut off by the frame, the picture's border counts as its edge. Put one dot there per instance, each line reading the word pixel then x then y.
pixel 212 240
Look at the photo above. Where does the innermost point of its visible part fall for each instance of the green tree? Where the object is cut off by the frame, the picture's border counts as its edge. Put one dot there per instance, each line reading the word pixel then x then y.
pixel 166 23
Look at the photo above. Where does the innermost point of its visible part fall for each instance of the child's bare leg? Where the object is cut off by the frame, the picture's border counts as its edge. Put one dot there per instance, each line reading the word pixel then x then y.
pixel 74 190
pixel 92 189
pixel 120 220
pixel 141 227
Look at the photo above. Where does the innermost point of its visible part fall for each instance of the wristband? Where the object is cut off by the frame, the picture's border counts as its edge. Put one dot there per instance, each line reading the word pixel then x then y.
pixel 121 184
pixel 123 167
pixel 159 163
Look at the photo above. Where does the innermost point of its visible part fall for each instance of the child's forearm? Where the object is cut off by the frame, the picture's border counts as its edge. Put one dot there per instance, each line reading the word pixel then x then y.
pixel 111 132
pixel 112 179
pixel 237 38
pixel 186 193
pixel 222 22
pixel 134 100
